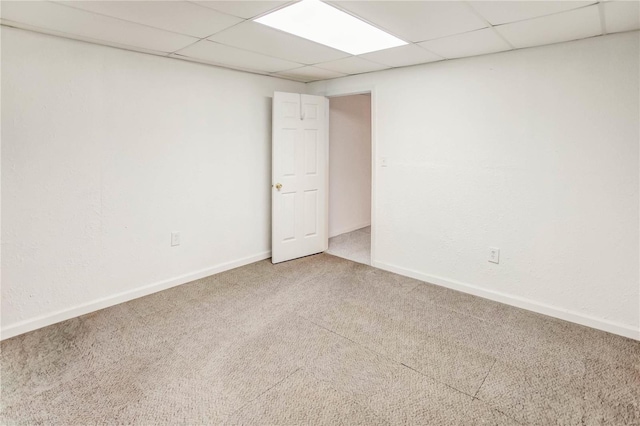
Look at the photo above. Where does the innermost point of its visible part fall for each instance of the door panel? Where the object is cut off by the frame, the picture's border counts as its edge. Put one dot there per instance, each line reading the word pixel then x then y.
pixel 311 151
pixel 300 176
pixel 310 213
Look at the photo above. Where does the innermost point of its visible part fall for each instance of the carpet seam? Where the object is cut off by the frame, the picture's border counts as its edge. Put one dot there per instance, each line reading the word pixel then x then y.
pixel 475 396
pixel 432 378
pixel 392 359
pixel 264 392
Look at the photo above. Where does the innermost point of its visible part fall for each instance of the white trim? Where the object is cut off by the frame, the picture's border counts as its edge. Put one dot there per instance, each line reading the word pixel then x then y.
pixel 520 302
pixel 349 229
pixel 326 171
pixel 55 317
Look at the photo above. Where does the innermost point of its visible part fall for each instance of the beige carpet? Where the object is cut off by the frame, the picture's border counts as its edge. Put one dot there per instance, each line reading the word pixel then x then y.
pixel 354 245
pixel 319 340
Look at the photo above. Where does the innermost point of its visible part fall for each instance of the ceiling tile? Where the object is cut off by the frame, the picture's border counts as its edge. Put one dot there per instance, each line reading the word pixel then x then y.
pixel 402 56
pixel 205 62
pixel 244 9
pixel 502 12
pixel 260 38
pixel 473 43
pixel 220 54
pixel 416 20
pixel 572 25
pixel 308 74
pixel 352 65
pixel 622 16
pixel 178 16
pixel 86 25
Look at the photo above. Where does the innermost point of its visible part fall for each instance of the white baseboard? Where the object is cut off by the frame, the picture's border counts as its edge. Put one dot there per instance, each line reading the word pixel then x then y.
pixel 52 318
pixel 542 308
pixel 520 302
pixel 348 229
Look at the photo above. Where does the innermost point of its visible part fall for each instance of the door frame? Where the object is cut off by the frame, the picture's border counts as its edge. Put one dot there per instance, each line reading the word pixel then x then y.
pixel 361 90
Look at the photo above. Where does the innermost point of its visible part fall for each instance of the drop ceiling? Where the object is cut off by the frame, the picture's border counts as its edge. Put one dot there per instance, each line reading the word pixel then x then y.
pixel 223 33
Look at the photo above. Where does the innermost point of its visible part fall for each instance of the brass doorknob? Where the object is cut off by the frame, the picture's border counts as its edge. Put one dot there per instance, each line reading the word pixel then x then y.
pixel 278 186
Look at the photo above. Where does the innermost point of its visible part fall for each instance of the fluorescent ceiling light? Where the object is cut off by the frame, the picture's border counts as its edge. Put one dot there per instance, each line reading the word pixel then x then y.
pixel 324 24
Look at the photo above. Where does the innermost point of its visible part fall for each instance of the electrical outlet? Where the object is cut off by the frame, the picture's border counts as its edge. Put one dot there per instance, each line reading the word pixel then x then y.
pixel 494 255
pixel 175 239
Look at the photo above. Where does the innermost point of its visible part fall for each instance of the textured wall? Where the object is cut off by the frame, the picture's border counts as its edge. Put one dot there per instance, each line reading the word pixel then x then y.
pixel 533 151
pixel 349 163
pixel 106 152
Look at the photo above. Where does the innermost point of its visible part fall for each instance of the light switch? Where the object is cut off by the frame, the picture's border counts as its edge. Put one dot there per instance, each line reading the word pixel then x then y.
pixel 494 255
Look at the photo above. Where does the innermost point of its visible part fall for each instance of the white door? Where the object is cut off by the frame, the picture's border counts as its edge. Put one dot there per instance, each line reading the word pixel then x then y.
pixel 300 176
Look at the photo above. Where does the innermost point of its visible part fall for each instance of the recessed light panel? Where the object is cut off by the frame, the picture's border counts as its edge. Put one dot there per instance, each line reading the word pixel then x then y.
pixel 324 24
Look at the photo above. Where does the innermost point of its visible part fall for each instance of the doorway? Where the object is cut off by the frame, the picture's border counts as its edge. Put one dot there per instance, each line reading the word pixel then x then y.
pixel 350 177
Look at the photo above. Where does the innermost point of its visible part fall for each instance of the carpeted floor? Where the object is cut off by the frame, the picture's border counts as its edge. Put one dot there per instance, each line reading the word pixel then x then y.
pixel 354 245
pixel 319 340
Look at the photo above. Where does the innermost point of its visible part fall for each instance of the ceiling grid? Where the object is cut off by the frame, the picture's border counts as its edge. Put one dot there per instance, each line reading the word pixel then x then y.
pixel 223 33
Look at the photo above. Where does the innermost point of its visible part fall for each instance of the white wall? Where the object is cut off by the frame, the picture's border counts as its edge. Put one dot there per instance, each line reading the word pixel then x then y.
pixel 104 153
pixel 349 163
pixel 535 152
